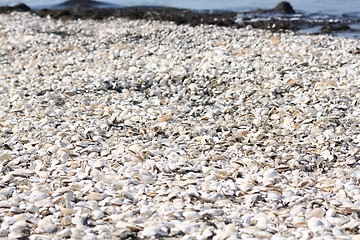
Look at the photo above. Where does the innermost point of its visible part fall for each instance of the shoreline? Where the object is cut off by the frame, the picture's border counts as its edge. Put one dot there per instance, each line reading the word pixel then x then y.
pixel 136 129
pixel 259 19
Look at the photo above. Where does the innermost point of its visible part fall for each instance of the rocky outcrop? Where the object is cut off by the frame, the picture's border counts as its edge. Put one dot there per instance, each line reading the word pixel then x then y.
pixel 284 7
pixel 17 8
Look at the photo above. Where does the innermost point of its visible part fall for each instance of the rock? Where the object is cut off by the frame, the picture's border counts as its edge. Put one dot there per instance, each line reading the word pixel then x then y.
pixel 17 8
pixel 21 7
pixel 284 7
pixel 330 28
pixel 80 3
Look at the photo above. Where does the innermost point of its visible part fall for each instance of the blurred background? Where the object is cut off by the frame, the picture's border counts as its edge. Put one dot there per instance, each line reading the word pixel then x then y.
pixel 332 7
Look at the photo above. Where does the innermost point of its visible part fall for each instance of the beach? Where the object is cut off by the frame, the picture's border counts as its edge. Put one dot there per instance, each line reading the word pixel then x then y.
pixel 144 129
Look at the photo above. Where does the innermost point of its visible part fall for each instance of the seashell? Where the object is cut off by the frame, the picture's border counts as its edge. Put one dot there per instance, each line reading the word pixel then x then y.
pixel 66 221
pixel 95 196
pixel 18 226
pixel 257 122
pixel 341 194
pixel 230 230
pixel 5 233
pixel 7 178
pixel 215 212
pixel 297 211
pixel 133 69
pixel 327 155
pixel 82 144
pixel 153 230
pixel 116 202
pixel 347 209
pixel 355 237
pixel 207 233
pixel 246 186
pixel 62 150
pixel 282 167
pixel 67 211
pixel 76 232
pixel 124 225
pixel 99 164
pixel 19 173
pixel 146 211
pixel 15 235
pixel 53 149
pixel 98 214
pixel 37 196
pixel 191 215
pixel 91 149
pixel 287 122
pixel 31 208
pixel 46 225
pixel 136 148
pixel 275 41
pixel 262 221
pixel 241 134
pixel 314 223
pixel 6 155
pixel 104 153
pixel 7 191
pixel 193 87
pixel 16 210
pixel 299 222
pixel 65 233
pixel 5 204
pixel 70 93
pixel 270 173
pixel 164 118
pixel 271 196
pixel 316 212
pixel 250 230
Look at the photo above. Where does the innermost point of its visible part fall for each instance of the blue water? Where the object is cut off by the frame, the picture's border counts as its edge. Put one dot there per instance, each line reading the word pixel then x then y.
pixel 332 7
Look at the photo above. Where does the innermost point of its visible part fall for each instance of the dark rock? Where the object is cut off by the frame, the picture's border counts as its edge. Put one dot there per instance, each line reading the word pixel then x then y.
pixel 284 7
pixel 80 4
pixel 179 16
pixel 6 9
pixel 21 7
pixel 335 28
pixel 18 8
pixel 57 14
pixel 276 24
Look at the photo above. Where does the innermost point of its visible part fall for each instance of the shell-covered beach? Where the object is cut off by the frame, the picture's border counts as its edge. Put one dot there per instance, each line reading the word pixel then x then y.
pixel 134 129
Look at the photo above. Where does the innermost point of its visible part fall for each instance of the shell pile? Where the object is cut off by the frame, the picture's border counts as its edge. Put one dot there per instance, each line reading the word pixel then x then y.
pixel 124 129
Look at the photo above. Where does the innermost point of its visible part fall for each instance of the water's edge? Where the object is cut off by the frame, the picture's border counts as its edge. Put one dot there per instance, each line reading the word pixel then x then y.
pixel 279 18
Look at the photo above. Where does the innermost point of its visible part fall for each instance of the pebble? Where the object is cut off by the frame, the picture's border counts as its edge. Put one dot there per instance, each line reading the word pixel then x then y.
pixel 147 129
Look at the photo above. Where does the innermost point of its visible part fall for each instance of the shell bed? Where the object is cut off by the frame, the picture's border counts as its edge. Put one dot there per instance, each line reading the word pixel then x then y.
pixel 124 129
